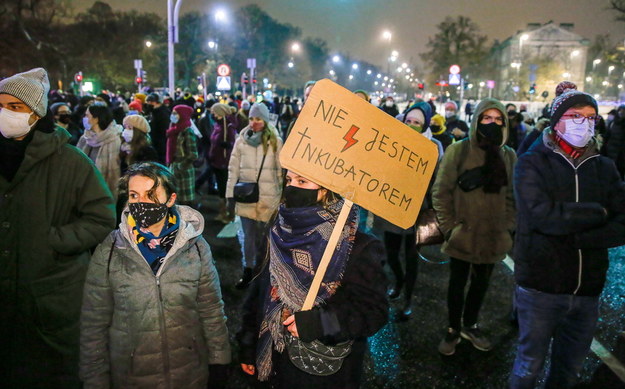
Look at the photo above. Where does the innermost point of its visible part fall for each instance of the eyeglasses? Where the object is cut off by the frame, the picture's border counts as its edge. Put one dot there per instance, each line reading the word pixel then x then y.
pixel 579 119
pixel 486 119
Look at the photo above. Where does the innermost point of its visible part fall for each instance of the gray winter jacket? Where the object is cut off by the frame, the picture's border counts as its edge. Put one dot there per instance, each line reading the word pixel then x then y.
pixel 141 330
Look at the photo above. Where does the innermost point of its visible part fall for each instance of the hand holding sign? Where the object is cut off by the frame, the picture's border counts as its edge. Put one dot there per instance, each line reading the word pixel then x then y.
pixel 347 145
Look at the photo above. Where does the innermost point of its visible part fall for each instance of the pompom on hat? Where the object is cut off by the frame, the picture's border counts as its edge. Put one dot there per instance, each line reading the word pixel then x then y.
pixel 31 87
pixel 568 96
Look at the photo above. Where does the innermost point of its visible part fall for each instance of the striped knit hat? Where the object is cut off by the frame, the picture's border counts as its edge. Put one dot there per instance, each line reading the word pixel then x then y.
pixel 568 96
pixel 30 87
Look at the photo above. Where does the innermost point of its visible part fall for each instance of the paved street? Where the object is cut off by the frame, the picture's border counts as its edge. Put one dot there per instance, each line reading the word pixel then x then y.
pixel 404 354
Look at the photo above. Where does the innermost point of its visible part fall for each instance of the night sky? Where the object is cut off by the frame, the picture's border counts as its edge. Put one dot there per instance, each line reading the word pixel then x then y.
pixel 355 26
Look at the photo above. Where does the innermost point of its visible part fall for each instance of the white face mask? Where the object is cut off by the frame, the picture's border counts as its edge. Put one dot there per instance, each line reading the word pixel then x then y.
pixel 85 123
pixel 389 103
pixel 14 124
pixel 578 135
pixel 173 118
pixel 127 135
pixel 449 114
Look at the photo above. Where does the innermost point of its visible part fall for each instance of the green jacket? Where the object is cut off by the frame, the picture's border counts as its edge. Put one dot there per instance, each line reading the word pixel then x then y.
pixel 477 225
pixel 54 210
pixel 153 331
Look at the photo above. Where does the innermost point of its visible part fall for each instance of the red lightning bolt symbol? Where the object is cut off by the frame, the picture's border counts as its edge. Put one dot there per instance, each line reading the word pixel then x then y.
pixel 349 137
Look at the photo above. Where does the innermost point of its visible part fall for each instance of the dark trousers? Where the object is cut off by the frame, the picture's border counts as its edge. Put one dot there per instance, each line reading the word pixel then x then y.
pixel 392 244
pixel 221 175
pixel 466 309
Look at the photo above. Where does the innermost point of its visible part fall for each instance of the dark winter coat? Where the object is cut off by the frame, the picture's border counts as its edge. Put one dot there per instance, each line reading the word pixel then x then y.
pixel 54 210
pixel 159 124
pixel 153 331
pixel 222 141
pixel 614 144
pixel 478 225
pixel 359 308
pixel 563 231
pixel 453 123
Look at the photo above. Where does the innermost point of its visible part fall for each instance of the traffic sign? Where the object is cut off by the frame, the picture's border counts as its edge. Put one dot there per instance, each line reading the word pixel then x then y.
pixel 223 70
pixel 223 83
pixel 490 84
pixel 251 63
pixel 454 79
pixel 454 69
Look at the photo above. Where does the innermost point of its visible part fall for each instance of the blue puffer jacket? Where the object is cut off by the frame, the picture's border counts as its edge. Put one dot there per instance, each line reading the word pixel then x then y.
pixel 563 232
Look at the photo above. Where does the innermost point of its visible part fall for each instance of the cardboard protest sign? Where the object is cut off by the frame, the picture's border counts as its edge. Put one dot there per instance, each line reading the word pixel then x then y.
pixel 353 148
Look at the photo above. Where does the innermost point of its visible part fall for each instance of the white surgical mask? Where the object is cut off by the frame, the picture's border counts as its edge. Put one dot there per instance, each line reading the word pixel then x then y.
pixel 389 103
pixel 14 124
pixel 85 123
pixel 173 118
pixel 449 114
pixel 578 135
pixel 127 135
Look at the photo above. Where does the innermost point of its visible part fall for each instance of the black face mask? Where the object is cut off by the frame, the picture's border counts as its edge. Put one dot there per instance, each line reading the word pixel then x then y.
pixel 295 197
pixel 147 214
pixel 491 132
pixel 148 108
pixel 64 118
pixel 435 128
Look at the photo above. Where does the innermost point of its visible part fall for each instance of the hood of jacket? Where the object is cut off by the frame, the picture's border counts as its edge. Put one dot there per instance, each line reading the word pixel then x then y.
pixel 191 226
pixel 485 105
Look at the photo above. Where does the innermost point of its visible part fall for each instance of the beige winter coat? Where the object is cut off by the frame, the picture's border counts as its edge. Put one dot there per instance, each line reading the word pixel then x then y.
pixel 244 165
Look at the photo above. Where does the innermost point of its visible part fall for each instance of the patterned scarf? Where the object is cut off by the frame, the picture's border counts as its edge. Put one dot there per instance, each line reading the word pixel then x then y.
pixel 155 248
pixel 296 244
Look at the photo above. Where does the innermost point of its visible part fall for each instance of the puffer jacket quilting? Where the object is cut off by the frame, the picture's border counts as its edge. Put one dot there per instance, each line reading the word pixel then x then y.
pixel 135 335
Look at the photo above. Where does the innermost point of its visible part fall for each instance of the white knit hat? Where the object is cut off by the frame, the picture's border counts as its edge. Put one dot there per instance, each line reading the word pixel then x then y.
pixel 138 122
pixel 30 87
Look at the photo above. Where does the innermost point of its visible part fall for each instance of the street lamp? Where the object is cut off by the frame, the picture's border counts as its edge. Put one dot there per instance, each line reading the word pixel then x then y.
pixel 221 16
pixel 290 64
pixel 148 44
pixel 172 38
pixel 355 66
pixel 610 68
pixel 336 59
pixel 369 72
pixel 212 44
pixel 595 63
pixel 387 35
pixel 295 47
pixel 588 79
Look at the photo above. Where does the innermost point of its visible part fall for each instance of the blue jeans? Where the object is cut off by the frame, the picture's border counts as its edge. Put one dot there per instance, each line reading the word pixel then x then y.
pixel 568 321
pixel 253 233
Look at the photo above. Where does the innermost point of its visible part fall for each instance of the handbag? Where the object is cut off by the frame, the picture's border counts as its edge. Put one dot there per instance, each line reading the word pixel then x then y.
pixel 248 192
pixel 471 179
pixel 315 357
pixel 427 229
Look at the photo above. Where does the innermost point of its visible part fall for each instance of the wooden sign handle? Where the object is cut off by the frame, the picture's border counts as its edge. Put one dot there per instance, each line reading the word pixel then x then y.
pixel 327 255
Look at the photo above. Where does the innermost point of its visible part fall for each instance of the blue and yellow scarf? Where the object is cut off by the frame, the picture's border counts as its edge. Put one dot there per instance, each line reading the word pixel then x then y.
pixel 155 248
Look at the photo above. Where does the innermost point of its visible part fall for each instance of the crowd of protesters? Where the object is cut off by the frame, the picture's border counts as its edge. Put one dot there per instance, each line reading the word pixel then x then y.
pixel 107 280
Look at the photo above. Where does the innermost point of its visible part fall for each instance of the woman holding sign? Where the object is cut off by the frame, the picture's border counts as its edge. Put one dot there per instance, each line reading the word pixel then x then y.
pixel 474 203
pixel 323 347
pixel 254 162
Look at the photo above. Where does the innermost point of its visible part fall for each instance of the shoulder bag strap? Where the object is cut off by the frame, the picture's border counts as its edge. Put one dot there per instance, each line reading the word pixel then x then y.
pixel 262 163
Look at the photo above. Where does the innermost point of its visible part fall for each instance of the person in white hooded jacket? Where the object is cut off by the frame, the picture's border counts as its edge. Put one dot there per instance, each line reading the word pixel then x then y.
pixel 152 313
pixel 255 159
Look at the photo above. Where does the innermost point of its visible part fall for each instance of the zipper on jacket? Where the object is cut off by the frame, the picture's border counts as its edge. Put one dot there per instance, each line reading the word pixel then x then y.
pixel 579 251
pixel 164 341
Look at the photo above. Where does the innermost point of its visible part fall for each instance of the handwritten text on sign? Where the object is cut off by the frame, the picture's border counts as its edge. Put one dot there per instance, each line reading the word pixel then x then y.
pixel 353 148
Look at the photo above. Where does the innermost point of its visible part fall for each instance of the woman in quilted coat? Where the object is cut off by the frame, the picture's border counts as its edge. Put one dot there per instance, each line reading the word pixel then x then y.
pixel 152 314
